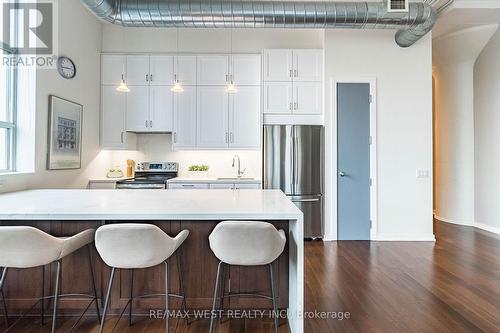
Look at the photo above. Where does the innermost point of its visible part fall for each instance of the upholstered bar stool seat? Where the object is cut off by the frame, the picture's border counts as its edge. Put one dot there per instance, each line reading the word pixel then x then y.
pixel 246 243
pixel 135 246
pixel 28 247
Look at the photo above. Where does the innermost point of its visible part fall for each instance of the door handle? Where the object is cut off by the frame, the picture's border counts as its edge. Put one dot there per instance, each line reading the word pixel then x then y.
pixel 341 174
pixel 305 200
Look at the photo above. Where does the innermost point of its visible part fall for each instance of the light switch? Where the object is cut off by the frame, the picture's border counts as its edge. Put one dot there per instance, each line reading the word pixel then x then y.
pixel 422 173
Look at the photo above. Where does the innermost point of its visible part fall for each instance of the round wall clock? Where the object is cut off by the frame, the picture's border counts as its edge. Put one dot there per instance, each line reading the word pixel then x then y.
pixel 66 67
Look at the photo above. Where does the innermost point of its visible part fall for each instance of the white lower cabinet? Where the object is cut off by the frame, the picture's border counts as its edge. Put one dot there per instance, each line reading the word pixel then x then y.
pixel 188 186
pixel 221 186
pixel 240 186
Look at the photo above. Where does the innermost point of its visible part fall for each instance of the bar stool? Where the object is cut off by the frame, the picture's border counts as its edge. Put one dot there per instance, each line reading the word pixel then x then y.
pixel 28 247
pixel 246 243
pixel 136 246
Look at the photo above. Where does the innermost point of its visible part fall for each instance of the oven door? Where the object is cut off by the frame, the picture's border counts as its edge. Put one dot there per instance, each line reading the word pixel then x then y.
pixel 140 186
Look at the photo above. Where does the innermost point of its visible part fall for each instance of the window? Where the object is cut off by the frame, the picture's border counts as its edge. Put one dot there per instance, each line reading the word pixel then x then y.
pixel 8 117
pixel 7 114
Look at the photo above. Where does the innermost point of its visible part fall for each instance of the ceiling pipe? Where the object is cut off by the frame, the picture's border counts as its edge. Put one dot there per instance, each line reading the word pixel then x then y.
pixel 411 25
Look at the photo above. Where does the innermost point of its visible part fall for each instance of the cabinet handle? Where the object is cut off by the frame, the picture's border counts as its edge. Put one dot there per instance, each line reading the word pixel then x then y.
pixel 227 77
pixel 231 135
pixel 151 123
pixel 296 105
pixel 227 137
pixel 290 107
pixel 121 136
pixel 175 137
pixel 291 73
pixel 146 124
pixel 147 77
pixel 295 73
pixel 151 77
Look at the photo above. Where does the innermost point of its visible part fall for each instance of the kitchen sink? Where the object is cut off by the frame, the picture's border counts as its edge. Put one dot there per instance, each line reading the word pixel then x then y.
pixel 236 178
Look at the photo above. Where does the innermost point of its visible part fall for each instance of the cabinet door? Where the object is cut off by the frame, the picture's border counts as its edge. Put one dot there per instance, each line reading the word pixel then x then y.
pixel 137 70
pixel 212 117
pixel 184 133
pixel 185 70
pixel 278 65
pixel 112 118
pixel 161 70
pixel 112 69
pixel 161 109
pixel 188 186
pixel 308 65
pixel 221 186
pixel 138 109
pixel 246 186
pixel 278 97
pixel 213 70
pixel 245 118
pixel 307 98
pixel 246 70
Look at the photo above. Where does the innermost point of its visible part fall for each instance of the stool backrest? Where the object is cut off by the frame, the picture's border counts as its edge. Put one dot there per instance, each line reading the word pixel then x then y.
pixel 247 243
pixel 129 245
pixel 24 247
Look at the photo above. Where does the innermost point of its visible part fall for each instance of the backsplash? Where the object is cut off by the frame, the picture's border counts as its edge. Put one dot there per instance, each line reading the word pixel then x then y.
pixel 158 147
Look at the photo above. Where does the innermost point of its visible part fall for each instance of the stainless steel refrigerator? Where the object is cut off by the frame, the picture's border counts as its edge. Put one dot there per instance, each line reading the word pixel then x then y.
pixel 293 162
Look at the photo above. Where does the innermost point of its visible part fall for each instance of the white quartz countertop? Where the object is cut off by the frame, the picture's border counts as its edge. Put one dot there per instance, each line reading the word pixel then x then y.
pixel 105 179
pixel 147 205
pixel 214 180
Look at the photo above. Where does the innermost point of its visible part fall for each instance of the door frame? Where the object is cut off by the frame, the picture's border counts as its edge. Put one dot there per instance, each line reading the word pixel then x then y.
pixel 372 81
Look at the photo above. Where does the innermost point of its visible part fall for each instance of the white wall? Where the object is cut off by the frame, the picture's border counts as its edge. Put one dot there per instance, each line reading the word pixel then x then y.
pixel 487 136
pixel 454 58
pixel 404 126
pixel 80 39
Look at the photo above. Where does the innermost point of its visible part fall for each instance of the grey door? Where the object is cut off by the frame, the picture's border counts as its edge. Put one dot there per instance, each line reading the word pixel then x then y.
pixel 308 160
pixel 353 174
pixel 278 158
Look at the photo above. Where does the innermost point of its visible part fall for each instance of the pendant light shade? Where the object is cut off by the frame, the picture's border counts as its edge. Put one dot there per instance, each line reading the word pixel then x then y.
pixel 231 88
pixel 177 87
pixel 122 87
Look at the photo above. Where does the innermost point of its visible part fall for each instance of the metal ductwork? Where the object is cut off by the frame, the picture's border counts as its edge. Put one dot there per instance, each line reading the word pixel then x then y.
pixel 411 25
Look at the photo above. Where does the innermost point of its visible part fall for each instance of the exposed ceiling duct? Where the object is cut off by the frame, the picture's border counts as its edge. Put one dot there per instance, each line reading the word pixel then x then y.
pixel 411 25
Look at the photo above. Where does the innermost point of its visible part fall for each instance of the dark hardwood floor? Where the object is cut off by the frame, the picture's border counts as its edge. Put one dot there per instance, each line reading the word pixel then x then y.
pixel 450 286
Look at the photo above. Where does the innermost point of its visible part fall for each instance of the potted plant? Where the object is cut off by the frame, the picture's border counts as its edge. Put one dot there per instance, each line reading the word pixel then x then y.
pixel 198 171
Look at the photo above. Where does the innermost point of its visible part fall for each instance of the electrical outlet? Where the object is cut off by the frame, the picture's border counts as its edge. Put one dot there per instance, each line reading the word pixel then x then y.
pixel 422 173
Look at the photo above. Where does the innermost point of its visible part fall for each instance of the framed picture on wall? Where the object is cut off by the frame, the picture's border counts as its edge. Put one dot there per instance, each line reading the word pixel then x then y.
pixel 65 134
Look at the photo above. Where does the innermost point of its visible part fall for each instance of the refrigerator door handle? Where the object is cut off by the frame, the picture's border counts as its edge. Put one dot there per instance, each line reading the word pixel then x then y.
pixel 295 160
pixel 292 158
pixel 306 200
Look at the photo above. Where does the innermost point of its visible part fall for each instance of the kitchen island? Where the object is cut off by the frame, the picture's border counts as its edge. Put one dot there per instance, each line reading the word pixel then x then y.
pixel 66 212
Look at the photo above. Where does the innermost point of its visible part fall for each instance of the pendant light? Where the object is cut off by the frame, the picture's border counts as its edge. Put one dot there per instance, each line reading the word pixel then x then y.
pixel 123 85
pixel 177 88
pixel 231 87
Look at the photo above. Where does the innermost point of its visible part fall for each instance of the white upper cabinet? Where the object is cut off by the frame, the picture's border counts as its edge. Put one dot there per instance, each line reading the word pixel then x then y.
pixel 307 98
pixel 112 118
pixel 184 131
pixel 161 109
pixel 245 69
pixel 278 65
pixel 161 70
pixel 278 97
pixel 185 70
pixel 138 70
pixel 308 65
pixel 213 70
pixel 112 69
pixel 138 109
pixel 212 117
pixel 244 112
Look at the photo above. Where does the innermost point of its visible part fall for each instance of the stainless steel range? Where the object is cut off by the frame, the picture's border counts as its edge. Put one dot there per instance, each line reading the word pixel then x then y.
pixel 150 175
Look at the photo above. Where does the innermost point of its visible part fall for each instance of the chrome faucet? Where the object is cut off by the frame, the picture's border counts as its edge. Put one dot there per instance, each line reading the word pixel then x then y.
pixel 240 173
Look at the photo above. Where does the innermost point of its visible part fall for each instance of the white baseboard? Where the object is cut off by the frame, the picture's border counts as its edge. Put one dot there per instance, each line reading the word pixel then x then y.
pixel 329 238
pixel 488 228
pixel 466 223
pixel 406 238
